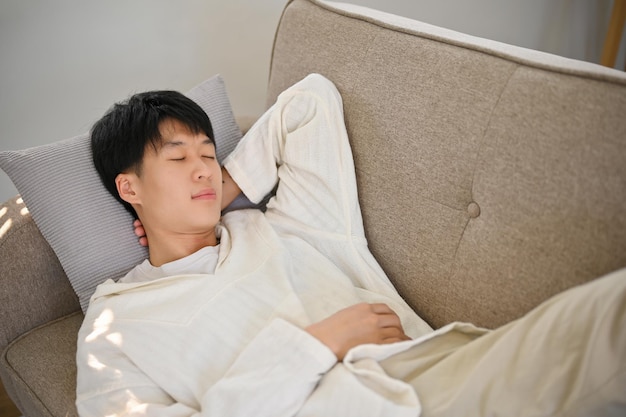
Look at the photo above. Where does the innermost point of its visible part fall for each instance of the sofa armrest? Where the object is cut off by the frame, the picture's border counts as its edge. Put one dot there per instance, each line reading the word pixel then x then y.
pixel 33 286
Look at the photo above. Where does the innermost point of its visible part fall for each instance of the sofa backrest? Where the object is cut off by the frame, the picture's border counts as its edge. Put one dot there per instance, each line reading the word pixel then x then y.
pixel 490 177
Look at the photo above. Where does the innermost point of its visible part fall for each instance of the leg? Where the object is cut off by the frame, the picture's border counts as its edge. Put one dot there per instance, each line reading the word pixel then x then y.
pixel 565 358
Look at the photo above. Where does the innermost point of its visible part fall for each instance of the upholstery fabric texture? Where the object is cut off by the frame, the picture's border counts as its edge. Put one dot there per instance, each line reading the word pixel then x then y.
pixel 35 289
pixel 490 178
pixel 47 350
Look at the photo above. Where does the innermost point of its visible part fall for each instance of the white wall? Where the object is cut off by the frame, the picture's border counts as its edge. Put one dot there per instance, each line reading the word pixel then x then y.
pixel 64 62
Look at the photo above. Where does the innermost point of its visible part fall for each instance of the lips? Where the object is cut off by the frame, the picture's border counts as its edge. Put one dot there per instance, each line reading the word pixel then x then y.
pixel 206 194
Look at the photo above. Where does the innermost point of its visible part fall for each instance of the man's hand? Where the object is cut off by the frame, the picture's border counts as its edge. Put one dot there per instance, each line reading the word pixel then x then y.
pixel 140 232
pixel 357 325
pixel 230 189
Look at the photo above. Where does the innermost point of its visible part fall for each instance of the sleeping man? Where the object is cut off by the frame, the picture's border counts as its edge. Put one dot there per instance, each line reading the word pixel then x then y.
pixel 286 312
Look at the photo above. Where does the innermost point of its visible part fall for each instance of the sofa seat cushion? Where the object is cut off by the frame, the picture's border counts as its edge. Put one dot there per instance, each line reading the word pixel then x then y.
pixel 39 368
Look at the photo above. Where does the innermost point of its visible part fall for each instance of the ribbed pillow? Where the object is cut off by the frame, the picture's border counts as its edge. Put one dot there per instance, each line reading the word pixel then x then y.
pixel 90 232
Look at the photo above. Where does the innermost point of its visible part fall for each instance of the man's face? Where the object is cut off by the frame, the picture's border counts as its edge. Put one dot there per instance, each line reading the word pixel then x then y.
pixel 179 188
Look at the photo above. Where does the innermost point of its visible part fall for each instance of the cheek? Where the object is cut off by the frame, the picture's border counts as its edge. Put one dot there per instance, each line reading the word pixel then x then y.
pixel 217 173
pixel 165 185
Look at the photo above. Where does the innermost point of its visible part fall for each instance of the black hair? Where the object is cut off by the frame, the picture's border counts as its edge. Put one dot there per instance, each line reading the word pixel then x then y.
pixel 120 137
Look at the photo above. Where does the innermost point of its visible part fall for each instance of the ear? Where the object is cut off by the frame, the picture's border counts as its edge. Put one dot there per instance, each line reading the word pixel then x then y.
pixel 126 184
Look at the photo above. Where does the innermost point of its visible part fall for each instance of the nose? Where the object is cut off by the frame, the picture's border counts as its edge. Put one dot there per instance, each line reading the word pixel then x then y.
pixel 202 169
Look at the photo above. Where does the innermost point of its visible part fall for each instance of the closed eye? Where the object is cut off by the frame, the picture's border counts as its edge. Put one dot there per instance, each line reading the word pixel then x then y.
pixel 177 159
pixel 208 156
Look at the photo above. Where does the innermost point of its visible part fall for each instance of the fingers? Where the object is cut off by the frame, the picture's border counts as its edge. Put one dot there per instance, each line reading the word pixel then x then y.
pixel 392 335
pixel 386 316
pixel 357 325
pixel 139 230
pixel 389 323
pixel 381 308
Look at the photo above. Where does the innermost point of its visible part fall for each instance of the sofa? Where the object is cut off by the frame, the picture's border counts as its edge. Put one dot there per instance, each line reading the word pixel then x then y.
pixel 490 177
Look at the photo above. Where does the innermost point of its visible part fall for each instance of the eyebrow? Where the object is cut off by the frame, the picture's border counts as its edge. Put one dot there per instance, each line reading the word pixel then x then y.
pixel 175 143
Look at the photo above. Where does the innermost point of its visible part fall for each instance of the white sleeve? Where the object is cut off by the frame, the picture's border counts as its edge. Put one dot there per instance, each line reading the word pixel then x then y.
pixel 301 144
pixel 273 376
pixel 109 383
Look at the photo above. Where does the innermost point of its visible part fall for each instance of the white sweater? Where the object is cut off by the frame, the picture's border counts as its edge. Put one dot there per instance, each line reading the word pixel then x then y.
pixel 231 343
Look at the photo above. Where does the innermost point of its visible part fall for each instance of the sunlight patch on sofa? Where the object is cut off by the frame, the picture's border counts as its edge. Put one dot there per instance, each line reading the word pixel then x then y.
pixel 24 210
pixel 5 227
pixel 7 224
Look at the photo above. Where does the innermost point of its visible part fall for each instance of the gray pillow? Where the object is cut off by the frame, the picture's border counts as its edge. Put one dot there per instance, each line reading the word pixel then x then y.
pixel 90 232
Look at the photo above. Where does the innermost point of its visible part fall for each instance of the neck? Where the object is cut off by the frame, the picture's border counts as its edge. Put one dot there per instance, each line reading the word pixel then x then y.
pixel 164 248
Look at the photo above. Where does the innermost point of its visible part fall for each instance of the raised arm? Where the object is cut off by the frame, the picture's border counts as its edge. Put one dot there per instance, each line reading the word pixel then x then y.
pixel 302 145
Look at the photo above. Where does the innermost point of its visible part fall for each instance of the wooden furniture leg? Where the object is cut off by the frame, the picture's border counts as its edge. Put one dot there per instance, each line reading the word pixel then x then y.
pixel 614 33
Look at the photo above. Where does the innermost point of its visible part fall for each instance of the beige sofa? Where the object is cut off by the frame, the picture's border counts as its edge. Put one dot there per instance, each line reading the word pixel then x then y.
pixel 491 177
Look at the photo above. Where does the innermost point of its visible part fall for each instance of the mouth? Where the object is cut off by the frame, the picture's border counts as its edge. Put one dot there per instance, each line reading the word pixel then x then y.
pixel 206 194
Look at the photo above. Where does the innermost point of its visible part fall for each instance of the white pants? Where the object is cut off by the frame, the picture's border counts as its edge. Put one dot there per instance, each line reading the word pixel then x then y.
pixel 567 357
